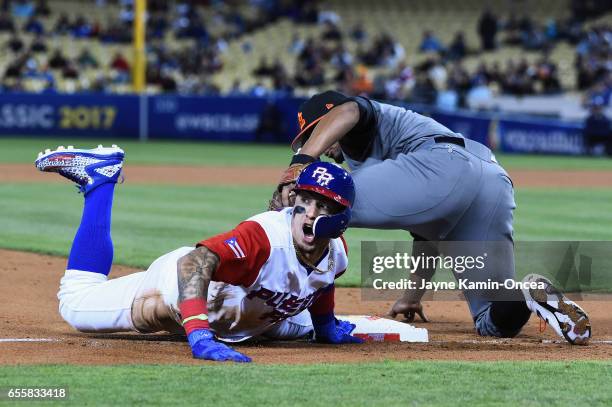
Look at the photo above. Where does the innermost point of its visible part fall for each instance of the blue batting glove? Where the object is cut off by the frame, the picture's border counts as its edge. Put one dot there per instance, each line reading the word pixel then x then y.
pixel 345 326
pixel 330 330
pixel 204 346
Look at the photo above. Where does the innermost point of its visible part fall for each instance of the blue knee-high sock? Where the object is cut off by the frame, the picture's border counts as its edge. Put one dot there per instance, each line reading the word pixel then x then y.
pixel 92 248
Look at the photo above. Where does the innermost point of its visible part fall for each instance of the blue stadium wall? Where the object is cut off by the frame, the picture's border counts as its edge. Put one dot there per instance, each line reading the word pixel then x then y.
pixel 238 119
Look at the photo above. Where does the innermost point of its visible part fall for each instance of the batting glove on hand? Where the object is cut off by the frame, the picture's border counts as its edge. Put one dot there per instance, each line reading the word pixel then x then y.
pixel 330 330
pixel 345 326
pixel 204 346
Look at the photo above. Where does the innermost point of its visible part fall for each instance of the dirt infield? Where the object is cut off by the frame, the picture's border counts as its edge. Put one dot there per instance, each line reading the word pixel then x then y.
pixel 198 175
pixel 29 284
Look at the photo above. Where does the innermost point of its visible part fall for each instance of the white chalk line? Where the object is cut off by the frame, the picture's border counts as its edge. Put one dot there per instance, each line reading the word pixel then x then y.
pixel 511 342
pixel 464 341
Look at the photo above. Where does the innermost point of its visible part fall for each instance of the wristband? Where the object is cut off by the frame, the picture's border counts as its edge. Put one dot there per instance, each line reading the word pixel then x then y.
pixel 321 320
pixel 302 159
pixel 198 335
pixel 194 314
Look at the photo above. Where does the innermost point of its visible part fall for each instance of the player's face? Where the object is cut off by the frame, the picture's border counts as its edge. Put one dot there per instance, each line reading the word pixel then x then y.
pixel 308 206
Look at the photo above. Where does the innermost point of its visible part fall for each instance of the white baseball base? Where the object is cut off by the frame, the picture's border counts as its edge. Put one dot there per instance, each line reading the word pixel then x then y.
pixel 377 329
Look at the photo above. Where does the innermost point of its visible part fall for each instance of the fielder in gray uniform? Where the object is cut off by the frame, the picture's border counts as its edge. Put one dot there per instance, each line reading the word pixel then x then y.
pixel 414 174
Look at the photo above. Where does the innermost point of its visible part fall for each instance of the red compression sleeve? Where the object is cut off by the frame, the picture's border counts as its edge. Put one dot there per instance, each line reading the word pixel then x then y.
pixel 194 314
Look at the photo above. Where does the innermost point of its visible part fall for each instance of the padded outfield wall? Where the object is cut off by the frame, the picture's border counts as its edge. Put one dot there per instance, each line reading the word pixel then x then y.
pixel 243 118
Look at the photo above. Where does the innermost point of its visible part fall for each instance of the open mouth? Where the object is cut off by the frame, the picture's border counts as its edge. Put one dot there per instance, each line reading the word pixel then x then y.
pixel 308 233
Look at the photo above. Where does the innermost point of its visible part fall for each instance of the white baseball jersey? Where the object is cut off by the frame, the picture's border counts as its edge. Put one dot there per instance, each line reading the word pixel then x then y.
pixel 259 280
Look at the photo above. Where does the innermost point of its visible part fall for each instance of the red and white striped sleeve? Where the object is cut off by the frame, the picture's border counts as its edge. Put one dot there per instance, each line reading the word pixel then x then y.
pixel 242 253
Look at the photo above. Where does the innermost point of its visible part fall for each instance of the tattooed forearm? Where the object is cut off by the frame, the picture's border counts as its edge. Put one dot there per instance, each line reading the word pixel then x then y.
pixel 195 271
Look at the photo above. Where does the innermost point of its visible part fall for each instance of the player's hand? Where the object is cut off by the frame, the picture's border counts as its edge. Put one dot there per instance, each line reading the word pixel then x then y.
pixel 287 183
pixel 287 195
pixel 345 326
pixel 204 346
pixel 330 330
pixel 409 309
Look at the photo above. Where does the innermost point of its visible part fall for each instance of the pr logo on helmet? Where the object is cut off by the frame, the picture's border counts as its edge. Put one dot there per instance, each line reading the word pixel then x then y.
pixel 323 177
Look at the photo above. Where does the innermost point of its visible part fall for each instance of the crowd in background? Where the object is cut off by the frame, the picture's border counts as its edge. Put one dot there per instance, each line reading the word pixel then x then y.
pixel 184 20
pixel 321 61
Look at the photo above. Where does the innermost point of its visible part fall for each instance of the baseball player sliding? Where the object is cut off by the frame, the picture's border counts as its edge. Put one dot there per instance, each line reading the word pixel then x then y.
pixel 270 277
pixel 414 174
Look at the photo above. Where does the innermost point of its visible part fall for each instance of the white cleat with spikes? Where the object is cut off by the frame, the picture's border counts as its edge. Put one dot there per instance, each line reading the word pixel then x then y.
pixel 565 316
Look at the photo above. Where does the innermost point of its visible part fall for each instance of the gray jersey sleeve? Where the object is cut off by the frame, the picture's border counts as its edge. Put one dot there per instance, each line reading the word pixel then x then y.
pixel 391 130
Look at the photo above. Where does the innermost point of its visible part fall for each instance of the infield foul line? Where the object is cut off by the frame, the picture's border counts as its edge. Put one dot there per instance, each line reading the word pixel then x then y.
pixel 28 340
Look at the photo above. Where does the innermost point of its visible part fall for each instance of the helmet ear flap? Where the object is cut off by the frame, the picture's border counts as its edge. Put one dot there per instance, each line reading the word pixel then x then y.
pixel 331 226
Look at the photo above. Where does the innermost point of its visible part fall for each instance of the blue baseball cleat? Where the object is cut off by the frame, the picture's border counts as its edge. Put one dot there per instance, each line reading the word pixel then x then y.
pixel 88 168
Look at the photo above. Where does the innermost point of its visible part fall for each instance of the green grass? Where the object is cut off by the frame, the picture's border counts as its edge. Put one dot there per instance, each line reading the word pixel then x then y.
pixel 377 384
pixel 158 152
pixel 149 221
pixel 24 150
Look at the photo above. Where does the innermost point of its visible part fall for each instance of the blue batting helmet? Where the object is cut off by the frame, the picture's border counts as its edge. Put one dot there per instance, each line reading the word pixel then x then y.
pixel 335 183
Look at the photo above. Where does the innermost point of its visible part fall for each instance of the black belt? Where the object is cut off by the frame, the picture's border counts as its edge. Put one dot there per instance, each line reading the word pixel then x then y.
pixel 449 139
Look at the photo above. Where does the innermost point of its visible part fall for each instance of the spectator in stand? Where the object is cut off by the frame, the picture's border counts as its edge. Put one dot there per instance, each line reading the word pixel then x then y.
pixel 424 90
pixel 13 70
pixel 38 44
pixel 341 57
pixel 157 25
pixel 399 85
pixel 70 71
pixel 600 93
pixel 597 129
pixel 22 9
pixel 546 73
pixel 42 8
pixel 459 81
pixel 119 63
pixel 81 28
pixel 62 25
pixel 331 31
pixel 358 32
pixel 86 60
pixel 495 74
pixel 457 49
pixel 6 22
pixel 512 30
pixel 517 80
pixel 235 89
pixel 430 43
pixel 263 68
pixel 258 90
pixel 480 96
pixel 34 26
pixel 58 60
pixel 362 82
pixel 487 30
pixel 535 38
pixel 438 73
pixel 296 46
pixel 15 43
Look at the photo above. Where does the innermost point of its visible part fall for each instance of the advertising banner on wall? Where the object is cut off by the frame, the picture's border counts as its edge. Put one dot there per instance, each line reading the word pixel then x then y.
pixel 540 137
pixel 83 115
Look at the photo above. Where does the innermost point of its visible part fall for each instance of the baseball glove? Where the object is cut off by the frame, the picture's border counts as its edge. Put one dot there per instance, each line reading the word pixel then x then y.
pixel 275 204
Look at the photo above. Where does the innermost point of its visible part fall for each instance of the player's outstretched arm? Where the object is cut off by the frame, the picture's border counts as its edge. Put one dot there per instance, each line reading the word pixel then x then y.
pixel 327 328
pixel 332 127
pixel 195 271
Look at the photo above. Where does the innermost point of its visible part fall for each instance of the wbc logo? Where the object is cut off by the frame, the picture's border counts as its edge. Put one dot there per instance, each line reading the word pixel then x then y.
pixel 323 177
